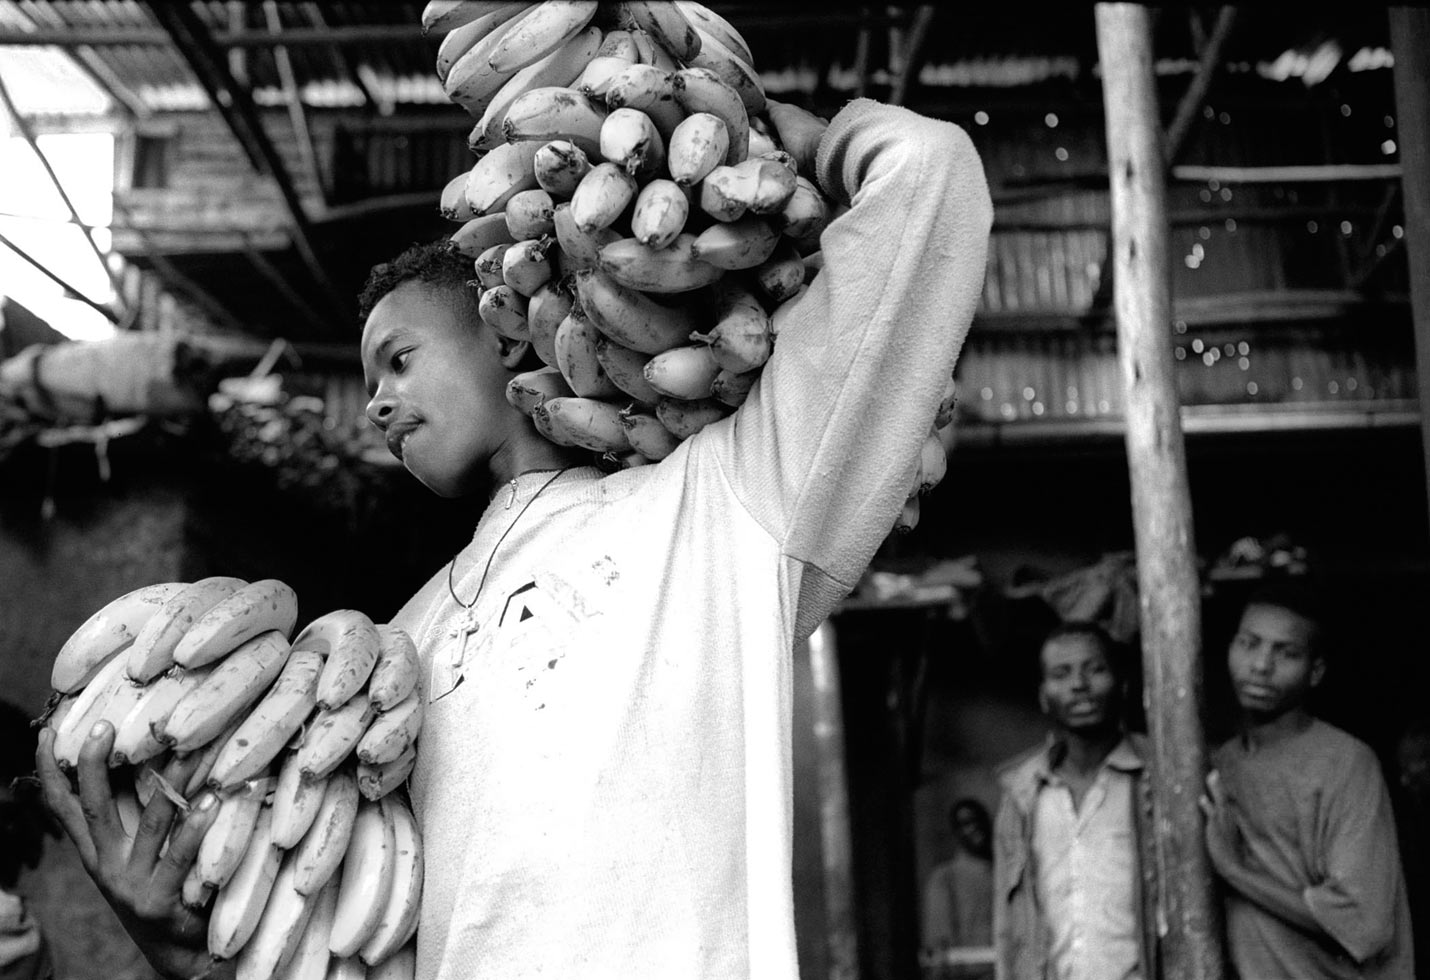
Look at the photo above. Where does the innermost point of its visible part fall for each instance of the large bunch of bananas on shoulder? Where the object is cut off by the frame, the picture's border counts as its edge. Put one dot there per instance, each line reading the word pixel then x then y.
pixel 313 862
pixel 631 214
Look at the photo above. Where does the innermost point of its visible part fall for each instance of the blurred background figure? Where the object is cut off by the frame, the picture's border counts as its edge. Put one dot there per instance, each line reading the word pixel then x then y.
pixel 23 825
pixel 958 895
pixel 1412 763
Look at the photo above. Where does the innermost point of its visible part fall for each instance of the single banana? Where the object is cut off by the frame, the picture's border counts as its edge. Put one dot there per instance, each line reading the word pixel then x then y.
pixel 631 318
pixel 647 435
pixel 263 733
pixel 332 736
pixel 194 893
pixel 933 463
pixel 377 779
pixel 111 629
pixel 560 67
pixel 602 196
pixel 725 194
pixel 226 841
pixel 503 172
pixel 311 957
pixel 596 78
pixel 398 922
pixel 526 268
pixel 199 776
pixel 504 309
pixel 542 423
pixel 472 82
pixel 401 965
pixel 742 339
pixel 707 20
pixel 452 203
pixel 651 53
pixel 319 854
pixel 626 369
pixel 667 26
pixel 673 269
pixel 488 265
pixel 545 30
pixel 768 182
pixel 461 37
pixel 731 388
pixel 296 802
pixel 347 641
pixel 153 649
pixel 555 113
pixel 576 339
pixel 733 71
pixel 239 904
pixel 392 732
pixel 699 144
pixel 649 89
pixel 479 234
pixel 684 419
pixel 618 42
pixel 227 692
pixel 741 244
pixel 530 388
pixel 908 518
pixel 702 90
pixel 630 140
pixel 662 207
pixel 582 248
pixel 683 372
pixel 805 214
pixel 394 676
pixel 782 157
pixel 781 275
pixel 366 879
pixel 559 167
pixel 280 929
pixel 88 708
pixel 587 422
pixel 267 605
pixel 440 16
pixel 547 307
pixel 760 142
pixel 529 214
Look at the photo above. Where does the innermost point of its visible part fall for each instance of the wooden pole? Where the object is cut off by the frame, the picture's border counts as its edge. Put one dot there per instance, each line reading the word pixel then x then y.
pixel 1409 36
pixel 1161 501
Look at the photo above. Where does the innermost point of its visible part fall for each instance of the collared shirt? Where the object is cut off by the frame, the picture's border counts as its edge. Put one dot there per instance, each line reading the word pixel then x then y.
pixel 1086 865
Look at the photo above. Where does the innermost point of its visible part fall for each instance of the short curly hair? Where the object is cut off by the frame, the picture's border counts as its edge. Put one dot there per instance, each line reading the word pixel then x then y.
pixel 436 263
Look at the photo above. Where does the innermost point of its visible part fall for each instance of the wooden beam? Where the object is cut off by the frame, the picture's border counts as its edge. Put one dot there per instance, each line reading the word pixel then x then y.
pixel 862 44
pixel 270 272
pixel 315 14
pixel 149 37
pixel 1409 40
pixel 1169 592
pixel 1191 104
pixel 23 125
pixel 307 149
pixel 236 105
pixel 914 51
pixel 70 291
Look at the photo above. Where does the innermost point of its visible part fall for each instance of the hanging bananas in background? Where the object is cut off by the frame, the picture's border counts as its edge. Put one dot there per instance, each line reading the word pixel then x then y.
pixel 631 214
pixel 314 860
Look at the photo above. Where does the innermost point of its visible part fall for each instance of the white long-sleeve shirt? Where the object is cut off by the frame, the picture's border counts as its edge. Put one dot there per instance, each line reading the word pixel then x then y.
pixel 607 791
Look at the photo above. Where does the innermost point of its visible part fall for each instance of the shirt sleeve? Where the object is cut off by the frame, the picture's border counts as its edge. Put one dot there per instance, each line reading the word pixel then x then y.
pixel 824 451
pixel 1355 902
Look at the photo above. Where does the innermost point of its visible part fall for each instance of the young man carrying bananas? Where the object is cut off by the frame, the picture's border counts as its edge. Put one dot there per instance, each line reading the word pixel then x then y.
pixel 604 776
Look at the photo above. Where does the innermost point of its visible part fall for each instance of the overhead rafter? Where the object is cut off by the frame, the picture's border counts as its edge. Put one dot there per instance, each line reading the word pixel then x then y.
pixel 294 98
pixel 236 106
pixel 914 54
pixel 70 291
pixel 1196 94
pixel 315 14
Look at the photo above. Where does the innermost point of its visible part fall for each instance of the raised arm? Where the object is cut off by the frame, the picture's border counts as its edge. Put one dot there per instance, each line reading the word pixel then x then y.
pixel 824 452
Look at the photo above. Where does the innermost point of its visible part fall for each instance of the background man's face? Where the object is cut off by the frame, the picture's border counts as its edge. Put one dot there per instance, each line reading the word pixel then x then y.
pixel 1272 661
pixel 1079 689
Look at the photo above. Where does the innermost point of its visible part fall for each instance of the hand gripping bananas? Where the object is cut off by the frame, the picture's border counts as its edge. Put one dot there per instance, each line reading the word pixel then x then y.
pixel 298 740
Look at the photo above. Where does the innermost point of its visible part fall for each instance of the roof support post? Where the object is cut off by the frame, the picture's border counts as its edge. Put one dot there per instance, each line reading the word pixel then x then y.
pixel 1409 36
pixel 1169 593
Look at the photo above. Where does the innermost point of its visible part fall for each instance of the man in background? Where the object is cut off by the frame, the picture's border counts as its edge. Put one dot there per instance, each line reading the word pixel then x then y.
pixel 1074 874
pixel 1299 822
pixel 958 895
